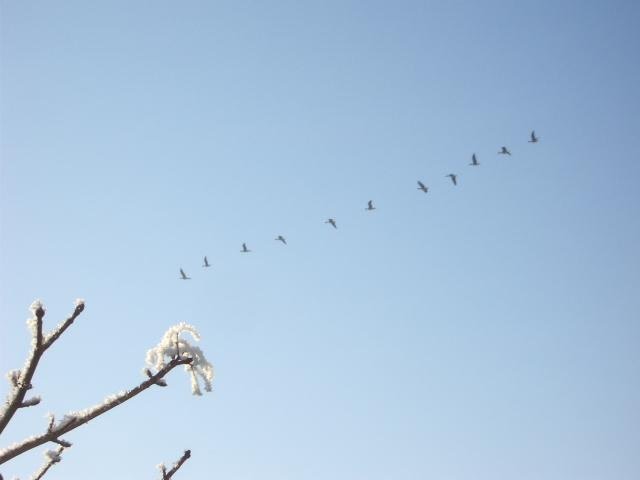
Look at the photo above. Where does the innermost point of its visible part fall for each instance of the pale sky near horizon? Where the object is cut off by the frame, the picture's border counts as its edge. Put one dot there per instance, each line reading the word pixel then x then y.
pixel 484 331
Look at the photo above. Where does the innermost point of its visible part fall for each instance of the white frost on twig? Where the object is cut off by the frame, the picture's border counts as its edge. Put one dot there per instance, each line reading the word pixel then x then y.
pixel 80 415
pixel 14 377
pixel 30 402
pixel 47 337
pixel 32 322
pixel 172 346
pixel 52 456
pixel 35 306
pixel 66 420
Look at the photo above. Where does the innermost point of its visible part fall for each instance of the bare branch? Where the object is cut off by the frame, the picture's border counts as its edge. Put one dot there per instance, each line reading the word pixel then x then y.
pixel 167 475
pixel 69 423
pixel 52 458
pixel 22 382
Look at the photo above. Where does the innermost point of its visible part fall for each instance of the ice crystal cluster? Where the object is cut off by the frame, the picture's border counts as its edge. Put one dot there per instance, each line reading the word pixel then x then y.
pixel 52 456
pixel 172 346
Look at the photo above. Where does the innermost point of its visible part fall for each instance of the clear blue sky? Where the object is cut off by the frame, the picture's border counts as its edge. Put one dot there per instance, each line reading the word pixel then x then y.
pixel 487 331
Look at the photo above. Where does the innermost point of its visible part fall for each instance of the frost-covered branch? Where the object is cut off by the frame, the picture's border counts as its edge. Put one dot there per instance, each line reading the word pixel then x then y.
pixel 20 380
pixel 51 457
pixel 172 346
pixel 74 420
pixel 176 466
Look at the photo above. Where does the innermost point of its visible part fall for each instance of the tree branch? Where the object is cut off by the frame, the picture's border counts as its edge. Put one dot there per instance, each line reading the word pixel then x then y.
pixel 51 460
pixel 167 475
pixel 71 422
pixel 22 381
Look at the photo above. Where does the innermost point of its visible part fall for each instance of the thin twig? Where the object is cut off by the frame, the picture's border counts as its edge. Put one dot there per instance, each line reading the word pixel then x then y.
pixel 167 475
pixel 54 434
pixel 16 396
pixel 48 464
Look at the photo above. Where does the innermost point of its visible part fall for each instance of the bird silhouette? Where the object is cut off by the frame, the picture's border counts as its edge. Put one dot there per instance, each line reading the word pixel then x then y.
pixel 504 151
pixel 206 262
pixel 370 205
pixel 534 139
pixel 281 239
pixel 453 178
pixel 422 186
pixel 474 161
pixel 244 248
pixel 332 222
pixel 183 276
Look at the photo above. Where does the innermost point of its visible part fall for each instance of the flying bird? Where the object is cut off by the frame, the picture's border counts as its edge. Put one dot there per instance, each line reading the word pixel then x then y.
pixel 474 161
pixel 370 205
pixel 453 178
pixel 422 186
pixel 281 239
pixel 244 248
pixel 183 276
pixel 332 222
pixel 534 139
pixel 504 151
pixel 206 262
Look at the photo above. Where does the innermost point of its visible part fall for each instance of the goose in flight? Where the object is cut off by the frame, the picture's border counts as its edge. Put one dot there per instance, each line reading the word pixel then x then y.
pixel 534 139
pixel 370 205
pixel 280 238
pixel 206 262
pixel 453 178
pixel 504 151
pixel 474 161
pixel 244 248
pixel 422 186
pixel 183 276
pixel 332 222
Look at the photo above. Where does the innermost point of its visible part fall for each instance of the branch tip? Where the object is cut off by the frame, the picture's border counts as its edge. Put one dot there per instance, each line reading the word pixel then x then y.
pixel 30 402
pixel 62 442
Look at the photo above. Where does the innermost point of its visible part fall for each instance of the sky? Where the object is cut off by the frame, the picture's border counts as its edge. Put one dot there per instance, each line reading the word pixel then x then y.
pixel 484 331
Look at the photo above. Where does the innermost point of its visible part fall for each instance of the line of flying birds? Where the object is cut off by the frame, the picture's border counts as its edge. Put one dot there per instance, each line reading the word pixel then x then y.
pixel 370 207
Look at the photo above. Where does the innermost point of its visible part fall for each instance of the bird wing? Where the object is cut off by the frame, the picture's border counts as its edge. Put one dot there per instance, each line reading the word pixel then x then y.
pixel 183 274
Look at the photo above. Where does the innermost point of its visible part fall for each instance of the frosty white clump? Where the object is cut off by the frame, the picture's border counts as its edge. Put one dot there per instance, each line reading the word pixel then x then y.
pixel 35 306
pixel 66 420
pixel 52 456
pixel 172 346
pixel 14 377
pixel 30 402
pixel 78 302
